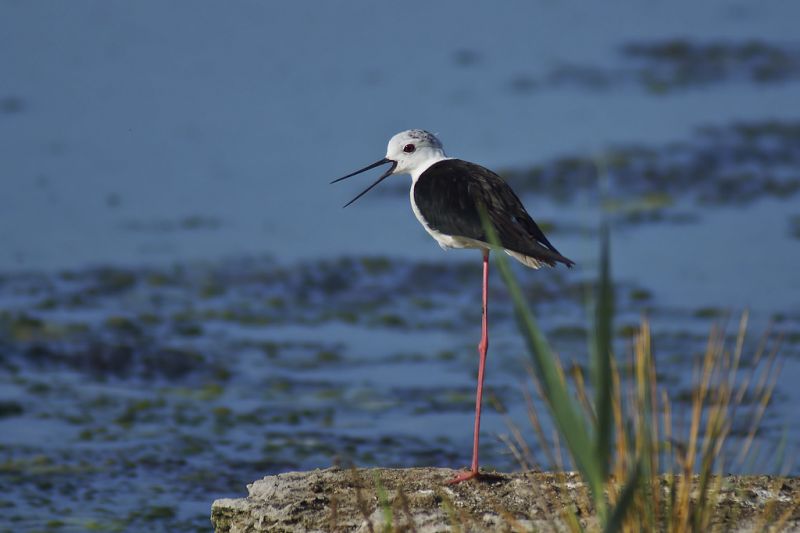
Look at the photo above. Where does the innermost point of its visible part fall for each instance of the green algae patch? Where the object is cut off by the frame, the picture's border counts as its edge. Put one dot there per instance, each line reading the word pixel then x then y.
pixel 662 67
pixel 140 386
pixel 9 408
pixel 707 169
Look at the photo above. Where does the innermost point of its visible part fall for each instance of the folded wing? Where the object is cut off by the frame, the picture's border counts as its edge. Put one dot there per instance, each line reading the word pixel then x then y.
pixel 448 195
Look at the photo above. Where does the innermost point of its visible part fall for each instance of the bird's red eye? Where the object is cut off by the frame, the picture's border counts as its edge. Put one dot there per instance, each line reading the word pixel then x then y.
pixel 409 148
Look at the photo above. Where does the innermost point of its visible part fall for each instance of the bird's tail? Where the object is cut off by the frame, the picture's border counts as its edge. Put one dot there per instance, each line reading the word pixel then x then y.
pixel 550 258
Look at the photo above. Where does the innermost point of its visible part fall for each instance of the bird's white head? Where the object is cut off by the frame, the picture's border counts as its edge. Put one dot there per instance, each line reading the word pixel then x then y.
pixel 409 152
pixel 414 151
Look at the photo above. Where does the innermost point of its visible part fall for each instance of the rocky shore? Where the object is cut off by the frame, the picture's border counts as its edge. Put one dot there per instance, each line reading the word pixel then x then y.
pixel 418 499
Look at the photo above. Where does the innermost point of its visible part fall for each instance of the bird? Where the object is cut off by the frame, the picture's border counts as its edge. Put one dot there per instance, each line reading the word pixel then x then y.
pixel 448 197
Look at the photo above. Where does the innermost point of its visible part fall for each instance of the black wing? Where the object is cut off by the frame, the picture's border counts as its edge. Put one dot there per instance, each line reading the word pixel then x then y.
pixel 449 192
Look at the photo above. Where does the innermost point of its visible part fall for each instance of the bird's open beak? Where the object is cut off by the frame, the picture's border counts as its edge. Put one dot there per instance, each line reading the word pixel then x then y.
pixel 373 165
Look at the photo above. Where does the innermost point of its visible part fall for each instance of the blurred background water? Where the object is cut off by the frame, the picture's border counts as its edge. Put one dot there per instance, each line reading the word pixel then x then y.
pixel 179 279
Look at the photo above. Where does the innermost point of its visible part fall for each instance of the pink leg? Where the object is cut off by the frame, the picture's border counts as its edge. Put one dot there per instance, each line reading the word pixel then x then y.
pixel 483 347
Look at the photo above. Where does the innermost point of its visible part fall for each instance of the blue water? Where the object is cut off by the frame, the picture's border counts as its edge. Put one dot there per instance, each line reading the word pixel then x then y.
pixel 140 113
pixel 150 134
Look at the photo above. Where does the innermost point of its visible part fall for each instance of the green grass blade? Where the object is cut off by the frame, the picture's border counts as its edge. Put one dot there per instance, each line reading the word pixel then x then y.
pixel 386 507
pixel 570 516
pixel 601 358
pixel 624 502
pixel 565 412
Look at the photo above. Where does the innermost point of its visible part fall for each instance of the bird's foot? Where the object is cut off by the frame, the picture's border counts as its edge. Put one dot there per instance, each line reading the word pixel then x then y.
pixel 463 476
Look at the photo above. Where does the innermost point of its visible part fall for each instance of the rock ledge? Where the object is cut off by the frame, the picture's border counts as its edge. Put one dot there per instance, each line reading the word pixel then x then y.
pixel 419 500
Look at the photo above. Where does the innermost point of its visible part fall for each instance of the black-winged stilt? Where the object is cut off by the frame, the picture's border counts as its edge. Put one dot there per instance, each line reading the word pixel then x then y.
pixel 446 195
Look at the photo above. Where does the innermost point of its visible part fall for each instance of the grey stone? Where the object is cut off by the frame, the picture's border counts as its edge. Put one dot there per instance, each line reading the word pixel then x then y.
pixel 420 500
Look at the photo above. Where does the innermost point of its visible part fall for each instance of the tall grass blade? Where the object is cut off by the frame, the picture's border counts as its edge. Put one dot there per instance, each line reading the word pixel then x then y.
pixel 566 414
pixel 383 501
pixel 601 358
pixel 625 501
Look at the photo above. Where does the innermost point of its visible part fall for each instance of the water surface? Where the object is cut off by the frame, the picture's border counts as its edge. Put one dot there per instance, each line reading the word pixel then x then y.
pixel 185 307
